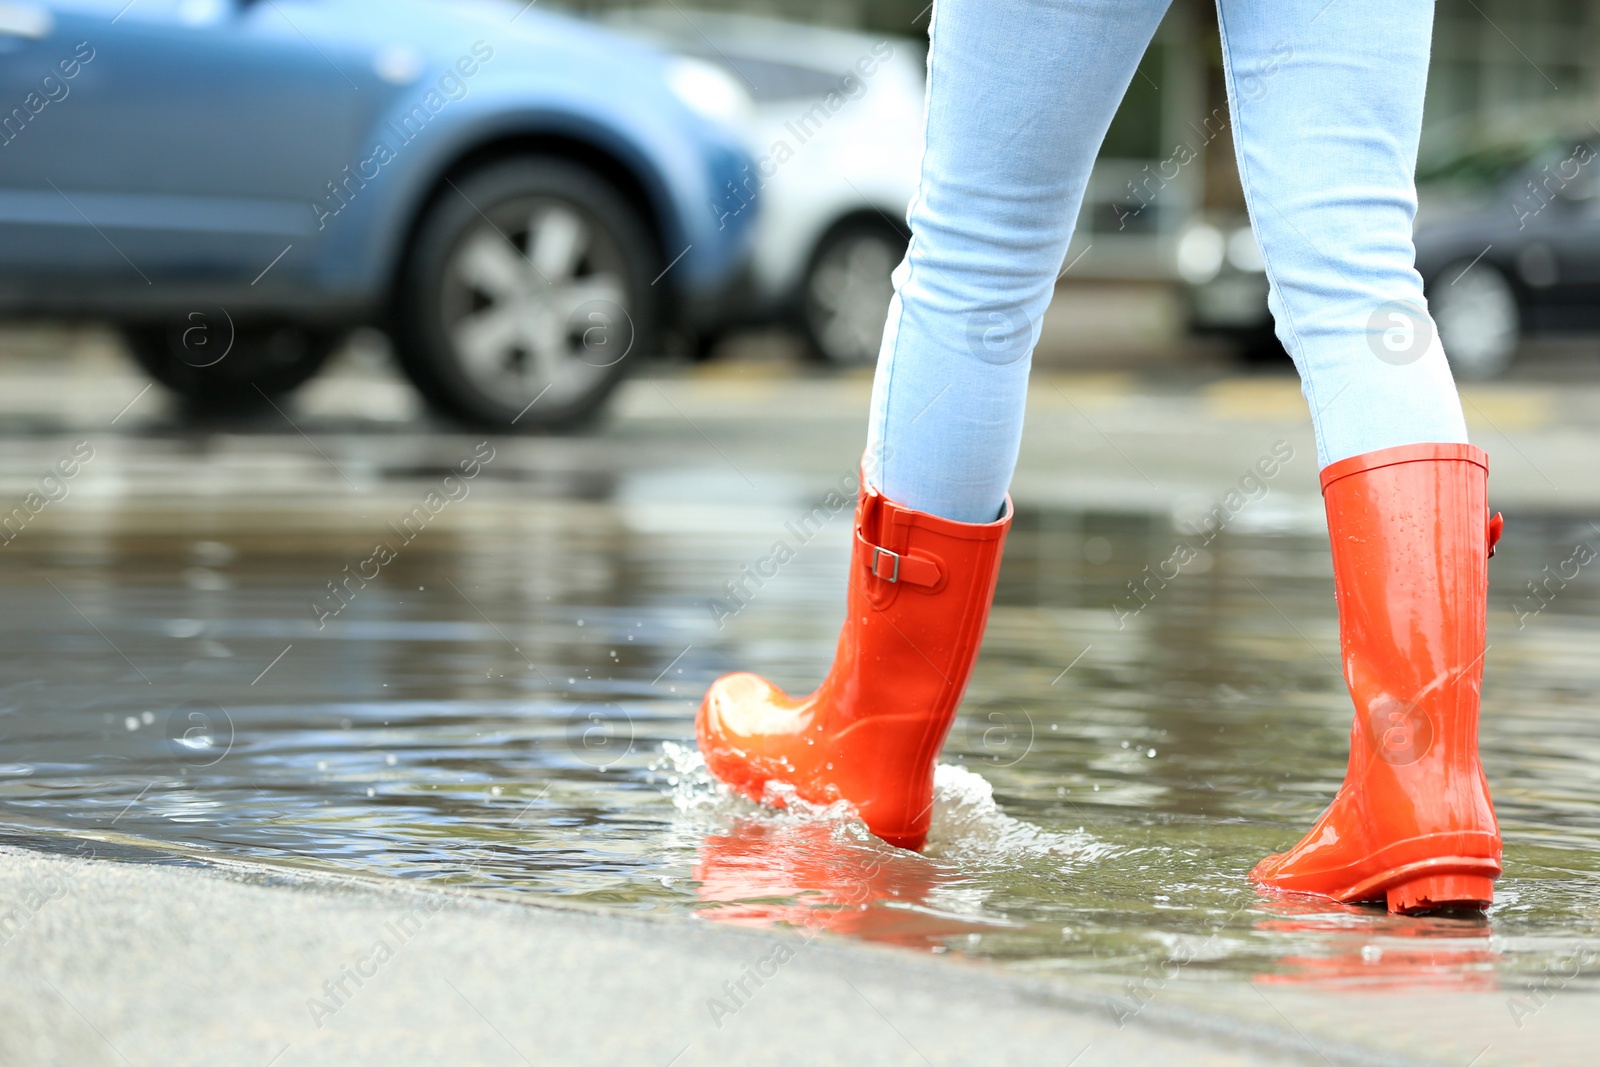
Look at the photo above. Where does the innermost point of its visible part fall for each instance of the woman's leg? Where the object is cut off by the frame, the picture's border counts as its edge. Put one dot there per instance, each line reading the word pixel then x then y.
pixel 1020 93
pixel 1327 107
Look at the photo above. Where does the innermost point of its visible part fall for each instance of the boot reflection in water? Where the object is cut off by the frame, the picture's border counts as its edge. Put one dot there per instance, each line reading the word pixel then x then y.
pixel 1325 125
pixel 1379 952
pixel 813 875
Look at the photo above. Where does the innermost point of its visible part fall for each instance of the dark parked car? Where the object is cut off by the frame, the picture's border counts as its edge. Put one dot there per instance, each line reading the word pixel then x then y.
pixel 1522 260
pixel 523 200
pixel 1508 245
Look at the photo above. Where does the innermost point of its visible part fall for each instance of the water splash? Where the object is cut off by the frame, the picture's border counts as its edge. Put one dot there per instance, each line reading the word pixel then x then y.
pixel 693 791
pixel 968 826
pixel 689 785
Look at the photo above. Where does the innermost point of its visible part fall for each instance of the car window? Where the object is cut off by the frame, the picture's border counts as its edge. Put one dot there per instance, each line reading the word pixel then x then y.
pixel 769 79
pixel 192 12
pixel 1513 161
pixel 1484 167
pixel 1565 170
pixel 775 81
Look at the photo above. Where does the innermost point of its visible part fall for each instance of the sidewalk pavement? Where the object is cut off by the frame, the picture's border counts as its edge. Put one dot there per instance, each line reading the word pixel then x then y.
pixel 120 952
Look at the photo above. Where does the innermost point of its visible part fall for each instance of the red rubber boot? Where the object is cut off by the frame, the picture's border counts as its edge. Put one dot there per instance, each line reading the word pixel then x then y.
pixel 920 588
pixel 1413 822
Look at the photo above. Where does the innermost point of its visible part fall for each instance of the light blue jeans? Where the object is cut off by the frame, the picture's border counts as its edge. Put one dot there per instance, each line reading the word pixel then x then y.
pixel 1325 99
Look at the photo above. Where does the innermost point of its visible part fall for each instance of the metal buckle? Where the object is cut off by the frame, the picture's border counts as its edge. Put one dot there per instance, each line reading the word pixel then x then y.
pixel 876 552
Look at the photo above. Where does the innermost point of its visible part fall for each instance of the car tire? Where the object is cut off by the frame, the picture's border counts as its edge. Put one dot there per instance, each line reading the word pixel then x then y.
pixel 1478 318
pixel 213 364
pixel 846 291
pixel 1260 348
pixel 526 297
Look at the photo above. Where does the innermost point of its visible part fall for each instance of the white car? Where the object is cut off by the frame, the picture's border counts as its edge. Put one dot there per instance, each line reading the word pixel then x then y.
pixel 834 121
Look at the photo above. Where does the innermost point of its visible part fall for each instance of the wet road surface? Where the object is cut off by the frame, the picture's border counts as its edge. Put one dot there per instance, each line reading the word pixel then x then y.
pixel 323 640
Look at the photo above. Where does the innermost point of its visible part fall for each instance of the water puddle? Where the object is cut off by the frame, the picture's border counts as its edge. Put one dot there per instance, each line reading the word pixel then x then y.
pixel 510 705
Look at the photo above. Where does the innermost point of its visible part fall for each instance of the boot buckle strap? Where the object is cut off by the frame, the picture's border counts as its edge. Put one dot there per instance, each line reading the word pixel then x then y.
pixel 895 567
pixel 878 553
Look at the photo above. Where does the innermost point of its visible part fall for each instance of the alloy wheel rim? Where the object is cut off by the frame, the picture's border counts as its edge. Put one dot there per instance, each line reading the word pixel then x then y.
pixel 850 292
pixel 1478 322
pixel 536 304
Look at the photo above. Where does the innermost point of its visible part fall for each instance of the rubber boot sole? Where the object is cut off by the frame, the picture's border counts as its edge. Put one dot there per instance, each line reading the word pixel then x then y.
pixel 1441 892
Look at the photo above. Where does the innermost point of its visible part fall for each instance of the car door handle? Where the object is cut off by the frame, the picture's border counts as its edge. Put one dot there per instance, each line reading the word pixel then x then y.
pixel 33 21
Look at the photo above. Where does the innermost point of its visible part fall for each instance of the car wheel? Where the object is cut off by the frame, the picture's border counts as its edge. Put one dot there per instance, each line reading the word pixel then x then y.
pixel 526 296
pixel 847 290
pixel 1478 319
pixel 214 364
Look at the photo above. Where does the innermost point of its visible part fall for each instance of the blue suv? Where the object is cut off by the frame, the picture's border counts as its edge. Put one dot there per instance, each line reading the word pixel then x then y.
pixel 523 201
